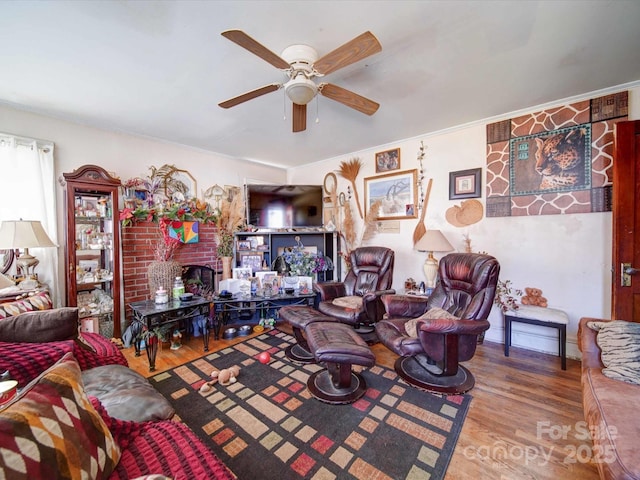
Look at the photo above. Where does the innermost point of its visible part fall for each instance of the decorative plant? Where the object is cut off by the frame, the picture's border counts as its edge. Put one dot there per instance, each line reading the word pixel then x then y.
pixel 350 238
pixel 507 296
pixel 157 207
pixel 349 170
pixel 304 263
pixel 161 332
pixel 165 246
pixel 230 219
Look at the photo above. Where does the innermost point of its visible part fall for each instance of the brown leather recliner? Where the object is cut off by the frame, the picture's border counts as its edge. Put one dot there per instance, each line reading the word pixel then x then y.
pixel 356 301
pixel 431 359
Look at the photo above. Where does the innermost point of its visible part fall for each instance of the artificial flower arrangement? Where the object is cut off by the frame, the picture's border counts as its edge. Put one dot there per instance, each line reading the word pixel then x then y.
pixel 155 206
pixel 166 245
pixel 191 210
pixel 303 263
pixel 507 296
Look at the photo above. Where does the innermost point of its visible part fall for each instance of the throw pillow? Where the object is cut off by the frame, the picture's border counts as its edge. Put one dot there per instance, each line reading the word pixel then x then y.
pixel 433 313
pixel 51 430
pixel 354 302
pixel 619 343
pixel 43 326
pixel 39 301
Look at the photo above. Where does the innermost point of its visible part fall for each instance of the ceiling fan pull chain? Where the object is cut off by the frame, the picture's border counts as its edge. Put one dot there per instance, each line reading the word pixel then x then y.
pixel 317 110
pixel 284 105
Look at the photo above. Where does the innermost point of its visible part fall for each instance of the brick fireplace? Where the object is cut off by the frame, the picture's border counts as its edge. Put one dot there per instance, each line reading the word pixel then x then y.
pixel 137 252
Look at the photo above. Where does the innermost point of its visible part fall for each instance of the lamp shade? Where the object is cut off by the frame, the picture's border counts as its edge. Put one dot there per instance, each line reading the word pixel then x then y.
pixel 23 234
pixel 300 90
pixel 433 241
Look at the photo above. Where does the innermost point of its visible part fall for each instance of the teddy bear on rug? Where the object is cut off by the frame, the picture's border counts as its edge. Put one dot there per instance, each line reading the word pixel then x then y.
pixel 225 377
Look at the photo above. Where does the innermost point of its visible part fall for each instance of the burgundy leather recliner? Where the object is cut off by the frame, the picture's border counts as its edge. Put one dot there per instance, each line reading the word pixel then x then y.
pixel 431 359
pixel 356 301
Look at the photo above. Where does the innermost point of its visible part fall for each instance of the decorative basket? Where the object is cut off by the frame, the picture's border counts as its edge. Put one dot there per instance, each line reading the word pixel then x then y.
pixel 162 274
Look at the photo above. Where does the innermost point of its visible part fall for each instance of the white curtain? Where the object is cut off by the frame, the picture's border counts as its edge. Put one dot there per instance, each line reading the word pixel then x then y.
pixel 28 193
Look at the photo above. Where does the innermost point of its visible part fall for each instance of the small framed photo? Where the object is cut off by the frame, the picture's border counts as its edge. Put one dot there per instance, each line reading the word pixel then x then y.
pixel 252 261
pixel 388 160
pixel 464 184
pixel 244 245
pixel 265 276
pixel 242 273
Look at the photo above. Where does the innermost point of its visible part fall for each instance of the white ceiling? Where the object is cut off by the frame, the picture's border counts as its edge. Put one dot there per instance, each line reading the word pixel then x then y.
pixel 159 68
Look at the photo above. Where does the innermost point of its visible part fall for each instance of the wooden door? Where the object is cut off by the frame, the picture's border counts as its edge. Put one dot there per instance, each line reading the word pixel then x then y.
pixel 626 222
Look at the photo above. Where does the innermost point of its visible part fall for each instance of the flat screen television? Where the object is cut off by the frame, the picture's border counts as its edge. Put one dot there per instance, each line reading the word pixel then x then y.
pixel 284 206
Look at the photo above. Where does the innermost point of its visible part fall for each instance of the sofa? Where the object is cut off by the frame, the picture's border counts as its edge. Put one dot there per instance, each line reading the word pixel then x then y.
pixel 608 400
pixel 80 412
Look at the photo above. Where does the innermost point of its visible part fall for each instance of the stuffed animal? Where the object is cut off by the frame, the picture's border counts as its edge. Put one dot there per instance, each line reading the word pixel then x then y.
pixel 225 377
pixel 533 297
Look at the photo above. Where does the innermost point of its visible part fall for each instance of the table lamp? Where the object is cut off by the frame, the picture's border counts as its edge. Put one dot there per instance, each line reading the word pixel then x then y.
pixel 16 234
pixel 432 241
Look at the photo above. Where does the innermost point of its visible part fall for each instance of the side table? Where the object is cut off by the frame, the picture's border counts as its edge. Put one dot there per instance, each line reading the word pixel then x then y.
pixel 545 317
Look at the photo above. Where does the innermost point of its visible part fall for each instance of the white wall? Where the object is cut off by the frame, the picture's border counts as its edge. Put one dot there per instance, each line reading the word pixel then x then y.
pixel 567 256
pixel 126 156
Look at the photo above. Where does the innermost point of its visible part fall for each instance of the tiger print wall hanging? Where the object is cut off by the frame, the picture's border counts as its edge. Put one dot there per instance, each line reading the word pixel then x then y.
pixel 555 161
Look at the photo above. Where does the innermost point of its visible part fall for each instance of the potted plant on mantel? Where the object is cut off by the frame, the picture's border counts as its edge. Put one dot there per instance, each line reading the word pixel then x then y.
pixel 229 220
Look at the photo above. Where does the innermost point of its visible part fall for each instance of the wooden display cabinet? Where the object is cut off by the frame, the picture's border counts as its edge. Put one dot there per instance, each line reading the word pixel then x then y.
pixel 92 251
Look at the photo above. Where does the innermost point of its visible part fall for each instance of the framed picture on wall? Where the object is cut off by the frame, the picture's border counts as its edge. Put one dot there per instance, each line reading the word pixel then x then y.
pixel 464 184
pixel 244 245
pixel 388 160
pixel 397 193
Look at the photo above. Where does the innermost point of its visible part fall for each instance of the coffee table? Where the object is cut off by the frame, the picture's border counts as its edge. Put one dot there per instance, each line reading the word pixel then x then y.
pixel 223 308
pixel 148 316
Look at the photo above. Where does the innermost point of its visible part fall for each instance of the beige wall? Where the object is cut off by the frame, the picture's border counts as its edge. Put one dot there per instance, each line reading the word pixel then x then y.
pixel 125 155
pixel 567 256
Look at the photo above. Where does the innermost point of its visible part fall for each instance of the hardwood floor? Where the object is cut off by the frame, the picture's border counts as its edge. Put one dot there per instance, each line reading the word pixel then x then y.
pixel 525 419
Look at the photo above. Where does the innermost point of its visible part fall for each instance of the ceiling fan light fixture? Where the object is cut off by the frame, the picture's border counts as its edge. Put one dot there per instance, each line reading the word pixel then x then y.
pixel 300 90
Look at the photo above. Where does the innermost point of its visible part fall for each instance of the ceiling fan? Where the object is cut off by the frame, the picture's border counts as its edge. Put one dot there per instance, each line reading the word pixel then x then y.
pixel 301 65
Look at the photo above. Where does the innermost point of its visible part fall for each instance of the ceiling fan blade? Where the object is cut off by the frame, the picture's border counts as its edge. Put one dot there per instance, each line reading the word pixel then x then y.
pixel 349 98
pixel 246 42
pixel 299 117
pixel 351 52
pixel 232 102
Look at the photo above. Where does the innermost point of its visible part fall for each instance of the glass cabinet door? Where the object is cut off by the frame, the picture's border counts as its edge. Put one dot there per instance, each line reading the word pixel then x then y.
pixel 93 249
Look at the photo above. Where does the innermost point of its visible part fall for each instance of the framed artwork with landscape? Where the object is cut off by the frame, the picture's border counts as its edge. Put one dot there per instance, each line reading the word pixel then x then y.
pixel 464 184
pixel 396 192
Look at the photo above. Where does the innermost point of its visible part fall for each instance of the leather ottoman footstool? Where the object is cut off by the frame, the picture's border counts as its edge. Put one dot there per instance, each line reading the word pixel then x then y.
pixel 299 317
pixel 338 346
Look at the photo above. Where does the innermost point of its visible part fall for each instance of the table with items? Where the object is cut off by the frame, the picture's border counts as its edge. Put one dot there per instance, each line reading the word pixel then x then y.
pixel 228 308
pixel 149 318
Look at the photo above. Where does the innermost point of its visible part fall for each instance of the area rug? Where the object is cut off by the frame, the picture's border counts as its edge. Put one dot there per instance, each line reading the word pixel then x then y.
pixel 268 426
